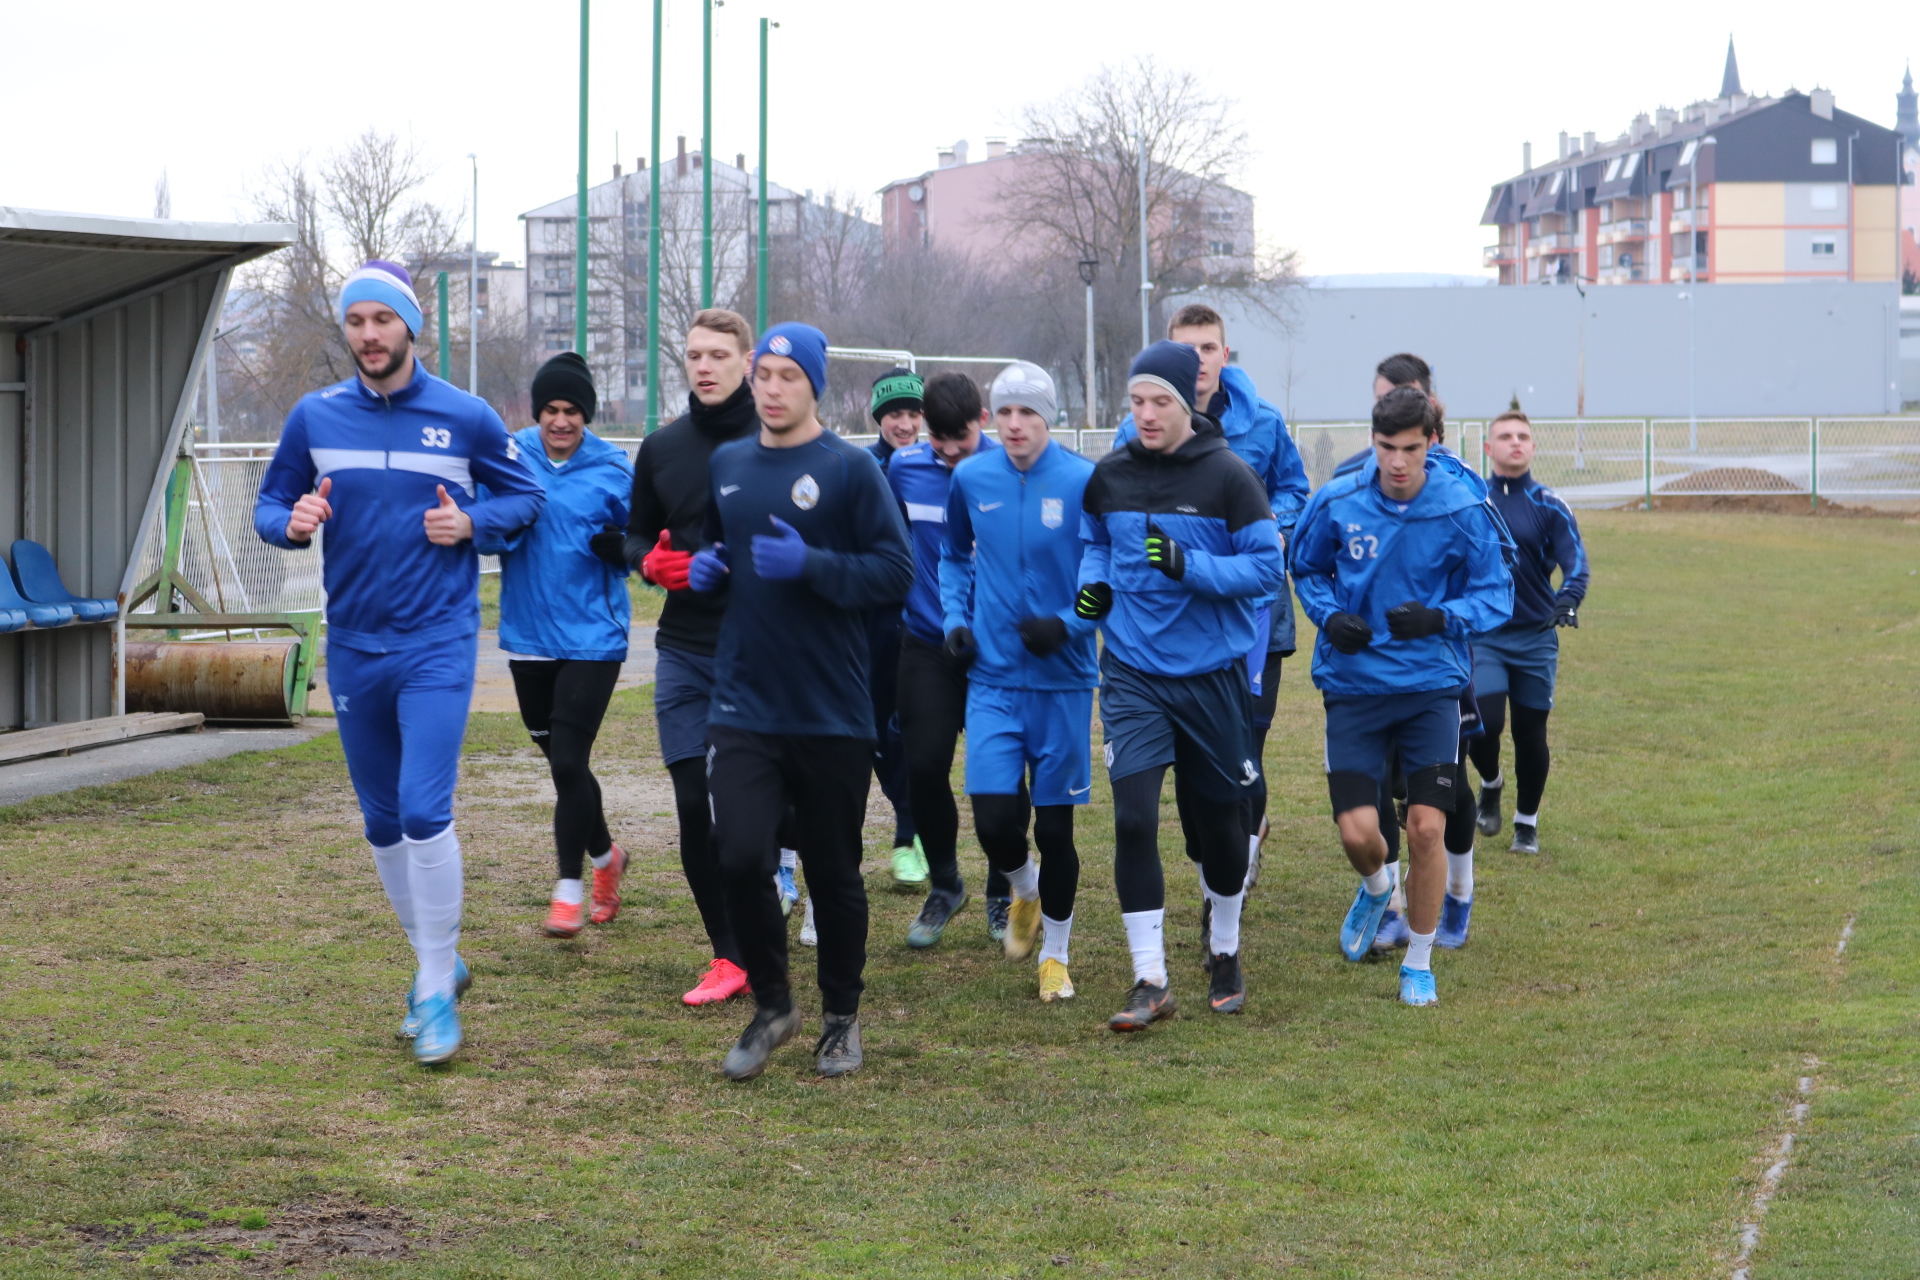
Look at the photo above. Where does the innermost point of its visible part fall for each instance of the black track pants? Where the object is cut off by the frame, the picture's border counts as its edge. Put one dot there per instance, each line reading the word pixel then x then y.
pixel 931 698
pixel 1215 831
pixel 698 858
pixel 1000 822
pixel 1263 707
pixel 1531 759
pixel 562 704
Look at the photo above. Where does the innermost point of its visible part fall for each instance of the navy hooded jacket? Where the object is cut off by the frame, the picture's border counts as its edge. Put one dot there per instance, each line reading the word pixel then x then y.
pixel 1547 535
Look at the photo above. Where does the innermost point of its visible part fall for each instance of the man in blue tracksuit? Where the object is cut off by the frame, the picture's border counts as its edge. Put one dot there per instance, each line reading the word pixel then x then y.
pixel 1397 566
pixel 399 457
pixel 1182 548
pixel 898 413
pixel 1258 434
pixel 1519 662
pixel 804 539
pixel 1008 576
pixel 564 617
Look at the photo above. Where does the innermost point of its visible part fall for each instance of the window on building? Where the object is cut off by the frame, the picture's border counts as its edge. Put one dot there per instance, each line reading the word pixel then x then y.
pixel 1613 168
pixel 1606 208
pixel 1559 177
pixel 1823 246
pixel 1220 248
pixel 1824 198
pixel 1688 152
pixel 1606 255
pixel 1826 151
pixel 1633 162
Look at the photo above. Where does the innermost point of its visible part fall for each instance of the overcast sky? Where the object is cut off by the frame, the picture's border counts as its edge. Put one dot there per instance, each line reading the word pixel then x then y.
pixel 1377 128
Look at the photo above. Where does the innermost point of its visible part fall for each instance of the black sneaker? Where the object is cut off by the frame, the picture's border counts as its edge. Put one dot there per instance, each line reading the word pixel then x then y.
pixel 1227 992
pixel 1146 1005
pixel 765 1033
pixel 1206 935
pixel 838 1050
pixel 1526 838
pixel 1489 819
pixel 940 907
pixel 997 910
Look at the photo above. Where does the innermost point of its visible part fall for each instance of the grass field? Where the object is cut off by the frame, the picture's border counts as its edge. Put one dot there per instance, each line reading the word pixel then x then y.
pixel 198 1069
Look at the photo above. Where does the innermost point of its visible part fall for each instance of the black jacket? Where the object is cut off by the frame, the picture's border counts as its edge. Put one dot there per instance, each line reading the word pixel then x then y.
pixel 670 487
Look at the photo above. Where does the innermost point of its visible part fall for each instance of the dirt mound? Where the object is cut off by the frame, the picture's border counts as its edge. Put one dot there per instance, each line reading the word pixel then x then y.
pixel 1764 504
pixel 295 1237
pixel 1741 480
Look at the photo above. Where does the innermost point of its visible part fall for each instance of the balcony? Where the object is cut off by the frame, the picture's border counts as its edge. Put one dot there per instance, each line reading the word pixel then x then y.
pixel 1625 229
pixel 1684 218
pixel 1622 274
pixel 1554 242
pixel 1498 255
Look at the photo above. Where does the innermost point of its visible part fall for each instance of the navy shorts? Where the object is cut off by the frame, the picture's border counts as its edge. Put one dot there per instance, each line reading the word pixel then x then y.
pixel 1201 725
pixel 682 695
pixel 1520 662
pixel 1365 731
pixel 1048 729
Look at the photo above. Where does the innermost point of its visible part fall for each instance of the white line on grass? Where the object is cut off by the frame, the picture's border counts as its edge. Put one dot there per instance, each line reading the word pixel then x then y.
pixel 1846 933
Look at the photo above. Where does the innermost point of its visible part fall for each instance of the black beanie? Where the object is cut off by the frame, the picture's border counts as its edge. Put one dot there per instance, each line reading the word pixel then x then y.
pixel 565 377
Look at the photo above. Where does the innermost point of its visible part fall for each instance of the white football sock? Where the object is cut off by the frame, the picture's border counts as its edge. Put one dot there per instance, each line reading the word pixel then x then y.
pixel 1225 921
pixel 809 920
pixel 1531 819
pixel 1497 781
pixel 434 875
pixel 1148 945
pixel 1398 902
pixel 604 861
pixel 1460 876
pixel 571 892
pixel 1025 880
pixel 1380 881
pixel 391 862
pixel 790 859
pixel 1054 936
pixel 1419 950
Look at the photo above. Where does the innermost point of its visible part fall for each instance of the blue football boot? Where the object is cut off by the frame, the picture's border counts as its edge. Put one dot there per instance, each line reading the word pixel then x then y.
pixel 789 891
pixel 1393 933
pixel 1363 922
pixel 462 979
pixel 1455 916
pixel 1416 987
pixel 439 1037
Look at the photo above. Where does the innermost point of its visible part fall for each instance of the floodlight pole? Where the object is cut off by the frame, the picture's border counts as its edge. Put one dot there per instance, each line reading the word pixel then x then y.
pixel 706 154
pixel 473 286
pixel 653 242
pixel 580 205
pixel 1693 287
pixel 760 249
pixel 1146 280
pixel 1087 268
pixel 444 347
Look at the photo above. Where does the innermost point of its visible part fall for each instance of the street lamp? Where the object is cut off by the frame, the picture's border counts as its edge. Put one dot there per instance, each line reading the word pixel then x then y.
pixel 1693 287
pixel 653 242
pixel 1087 267
pixel 760 250
pixel 580 200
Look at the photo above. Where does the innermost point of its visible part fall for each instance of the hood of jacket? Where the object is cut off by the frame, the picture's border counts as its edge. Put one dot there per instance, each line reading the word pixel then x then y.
pixel 1242 411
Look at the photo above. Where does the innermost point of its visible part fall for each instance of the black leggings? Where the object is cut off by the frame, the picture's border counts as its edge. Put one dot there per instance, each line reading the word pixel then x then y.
pixel 562 704
pixel 1263 708
pixel 698 858
pixel 1215 831
pixel 1001 824
pixel 931 698
pixel 1460 819
pixel 1531 759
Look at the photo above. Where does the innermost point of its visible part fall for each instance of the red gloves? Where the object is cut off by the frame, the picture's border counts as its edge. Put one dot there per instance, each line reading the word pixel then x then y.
pixel 665 567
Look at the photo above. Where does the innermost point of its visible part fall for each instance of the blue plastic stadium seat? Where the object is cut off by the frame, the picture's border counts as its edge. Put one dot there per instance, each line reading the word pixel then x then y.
pixel 12 620
pixel 35 586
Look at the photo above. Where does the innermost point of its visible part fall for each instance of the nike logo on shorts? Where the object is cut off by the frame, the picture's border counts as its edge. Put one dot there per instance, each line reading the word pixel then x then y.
pixel 1079 791
pixel 726 489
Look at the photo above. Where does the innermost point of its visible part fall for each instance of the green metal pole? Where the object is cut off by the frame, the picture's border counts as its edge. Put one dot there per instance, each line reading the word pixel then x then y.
pixel 706 153
pixel 653 242
pixel 760 252
pixel 445 344
pixel 580 205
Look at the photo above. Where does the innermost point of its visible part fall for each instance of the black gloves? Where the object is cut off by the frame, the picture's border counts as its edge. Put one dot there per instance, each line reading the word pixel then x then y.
pixel 1043 636
pixel 610 544
pixel 1093 601
pixel 1414 621
pixel 1164 554
pixel 1347 632
pixel 1564 616
pixel 959 645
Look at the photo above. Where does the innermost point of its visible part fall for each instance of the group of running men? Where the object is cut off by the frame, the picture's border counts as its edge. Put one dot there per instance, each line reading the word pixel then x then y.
pixel 833 612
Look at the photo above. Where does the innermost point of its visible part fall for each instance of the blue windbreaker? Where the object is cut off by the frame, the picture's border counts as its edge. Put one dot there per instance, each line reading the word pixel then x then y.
pixel 1013 552
pixel 557 598
pixel 919 480
pixel 1211 503
pixel 388 588
pixel 1547 535
pixel 1355 552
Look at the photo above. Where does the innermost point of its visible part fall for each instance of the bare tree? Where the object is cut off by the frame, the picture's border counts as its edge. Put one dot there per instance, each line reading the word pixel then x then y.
pixel 162 196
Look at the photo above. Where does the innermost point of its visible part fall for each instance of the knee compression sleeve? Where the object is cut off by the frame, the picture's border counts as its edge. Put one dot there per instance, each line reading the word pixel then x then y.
pixel 1000 823
pixel 1433 786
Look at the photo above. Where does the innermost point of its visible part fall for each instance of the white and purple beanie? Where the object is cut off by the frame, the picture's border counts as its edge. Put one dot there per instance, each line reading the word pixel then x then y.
pixel 386 283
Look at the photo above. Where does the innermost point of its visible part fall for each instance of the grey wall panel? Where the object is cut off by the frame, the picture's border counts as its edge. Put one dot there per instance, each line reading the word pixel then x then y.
pixel 1761 350
pixel 13 414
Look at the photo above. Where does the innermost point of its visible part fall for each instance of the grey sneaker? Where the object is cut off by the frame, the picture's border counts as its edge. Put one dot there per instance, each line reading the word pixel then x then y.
pixel 941 906
pixel 997 911
pixel 765 1033
pixel 1526 838
pixel 838 1050
pixel 1489 816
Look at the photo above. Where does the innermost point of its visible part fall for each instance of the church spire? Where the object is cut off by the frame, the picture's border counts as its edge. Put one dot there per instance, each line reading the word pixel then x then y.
pixel 1730 78
pixel 1908 122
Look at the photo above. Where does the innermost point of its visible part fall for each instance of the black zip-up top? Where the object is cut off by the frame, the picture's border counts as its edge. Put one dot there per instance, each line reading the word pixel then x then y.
pixel 670 487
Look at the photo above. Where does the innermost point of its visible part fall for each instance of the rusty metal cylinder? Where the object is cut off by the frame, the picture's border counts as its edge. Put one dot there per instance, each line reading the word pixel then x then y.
pixel 233 680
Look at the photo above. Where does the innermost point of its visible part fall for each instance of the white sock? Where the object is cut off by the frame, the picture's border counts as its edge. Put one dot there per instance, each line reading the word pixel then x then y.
pixel 1419 951
pixel 790 859
pixel 391 863
pixel 1460 876
pixel 1054 936
pixel 1497 780
pixel 604 861
pixel 1253 845
pixel 571 892
pixel 809 919
pixel 1380 881
pixel 1531 819
pixel 1025 880
pixel 1145 940
pixel 1225 921
pixel 435 877
pixel 1398 902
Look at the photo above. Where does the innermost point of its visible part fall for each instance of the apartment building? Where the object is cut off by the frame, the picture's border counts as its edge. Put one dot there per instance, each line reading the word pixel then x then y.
pixel 1737 189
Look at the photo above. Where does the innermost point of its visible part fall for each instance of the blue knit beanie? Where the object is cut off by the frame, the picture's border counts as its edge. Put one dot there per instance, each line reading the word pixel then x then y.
pixel 386 283
pixel 806 346
pixel 1173 365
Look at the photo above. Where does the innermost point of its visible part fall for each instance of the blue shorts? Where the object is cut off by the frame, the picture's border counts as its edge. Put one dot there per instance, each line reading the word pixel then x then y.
pixel 682 693
pixel 402 718
pixel 1366 731
pixel 1201 725
pixel 1049 730
pixel 1520 662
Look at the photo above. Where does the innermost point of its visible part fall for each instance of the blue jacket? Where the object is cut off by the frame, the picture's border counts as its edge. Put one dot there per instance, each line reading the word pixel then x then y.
pixel 793 657
pixel 1355 552
pixel 1211 503
pixel 388 588
pixel 919 480
pixel 1013 552
pixel 557 598
pixel 1258 434
pixel 1546 535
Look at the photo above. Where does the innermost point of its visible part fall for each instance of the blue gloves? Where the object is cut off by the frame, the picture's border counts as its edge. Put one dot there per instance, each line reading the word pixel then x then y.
pixel 781 557
pixel 709 568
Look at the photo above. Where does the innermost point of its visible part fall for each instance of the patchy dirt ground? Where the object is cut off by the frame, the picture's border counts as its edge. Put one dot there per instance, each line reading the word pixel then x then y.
pixel 296 1238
